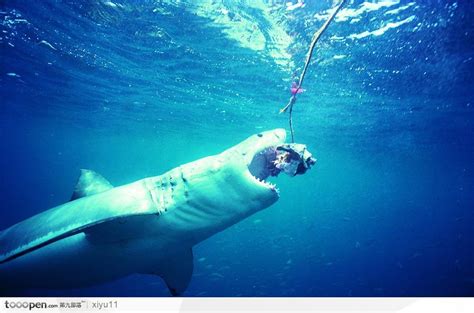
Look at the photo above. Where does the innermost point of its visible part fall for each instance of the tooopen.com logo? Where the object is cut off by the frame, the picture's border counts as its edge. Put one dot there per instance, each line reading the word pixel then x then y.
pixel 25 305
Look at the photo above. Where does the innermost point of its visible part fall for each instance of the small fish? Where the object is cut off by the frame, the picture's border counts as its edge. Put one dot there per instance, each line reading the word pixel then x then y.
pixel 44 42
pixel 217 275
pixel 110 4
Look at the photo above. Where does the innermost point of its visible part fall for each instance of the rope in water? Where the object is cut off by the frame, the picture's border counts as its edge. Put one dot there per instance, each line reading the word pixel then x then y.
pixel 315 39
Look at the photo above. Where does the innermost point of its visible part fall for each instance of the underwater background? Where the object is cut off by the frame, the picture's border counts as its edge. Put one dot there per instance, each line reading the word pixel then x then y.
pixel 131 89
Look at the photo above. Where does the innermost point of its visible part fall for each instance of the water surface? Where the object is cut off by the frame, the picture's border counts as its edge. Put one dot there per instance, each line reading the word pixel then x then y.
pixel 131 89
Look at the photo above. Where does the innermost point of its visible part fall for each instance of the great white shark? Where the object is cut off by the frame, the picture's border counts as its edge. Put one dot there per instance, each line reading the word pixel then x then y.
pixel 149 226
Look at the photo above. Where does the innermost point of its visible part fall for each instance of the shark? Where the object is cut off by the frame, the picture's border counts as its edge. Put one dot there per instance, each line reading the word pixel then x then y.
pixel 148 226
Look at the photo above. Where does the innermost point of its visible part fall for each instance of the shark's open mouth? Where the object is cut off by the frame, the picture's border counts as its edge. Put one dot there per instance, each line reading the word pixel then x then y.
pixel 292 159
pixel 263 165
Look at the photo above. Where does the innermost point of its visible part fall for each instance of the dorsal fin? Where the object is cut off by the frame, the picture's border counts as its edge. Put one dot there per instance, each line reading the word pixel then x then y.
pixel 90 183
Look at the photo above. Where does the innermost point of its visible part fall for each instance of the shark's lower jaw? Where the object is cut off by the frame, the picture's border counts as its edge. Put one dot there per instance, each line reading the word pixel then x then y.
pixel 268 185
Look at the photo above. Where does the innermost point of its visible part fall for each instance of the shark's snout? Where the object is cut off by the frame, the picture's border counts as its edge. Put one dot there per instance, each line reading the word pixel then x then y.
pixel 279 134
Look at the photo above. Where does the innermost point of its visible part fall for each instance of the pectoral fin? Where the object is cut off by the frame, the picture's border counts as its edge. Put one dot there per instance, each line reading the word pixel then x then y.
pixel 177 271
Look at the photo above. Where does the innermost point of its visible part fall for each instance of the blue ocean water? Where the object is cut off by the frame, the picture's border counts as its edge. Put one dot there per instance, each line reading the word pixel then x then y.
pixel 131 89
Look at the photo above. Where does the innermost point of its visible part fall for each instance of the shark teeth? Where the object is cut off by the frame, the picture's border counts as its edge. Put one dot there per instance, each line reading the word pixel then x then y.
pixel 267 184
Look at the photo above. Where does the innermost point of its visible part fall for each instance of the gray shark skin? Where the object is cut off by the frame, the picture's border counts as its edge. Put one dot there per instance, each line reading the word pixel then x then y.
pixel 148 226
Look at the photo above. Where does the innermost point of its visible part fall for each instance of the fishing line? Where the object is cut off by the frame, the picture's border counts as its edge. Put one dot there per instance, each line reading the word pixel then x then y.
pixel 315 39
